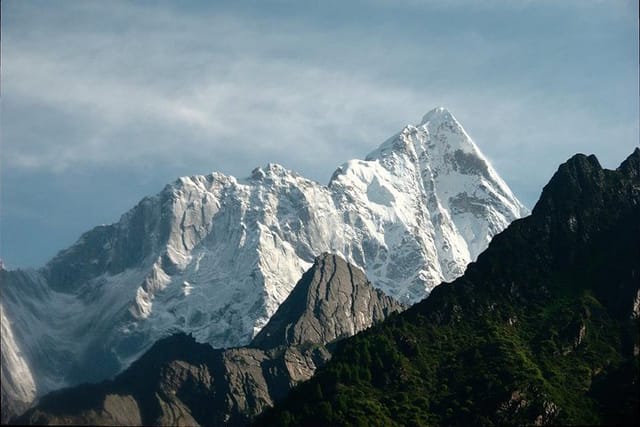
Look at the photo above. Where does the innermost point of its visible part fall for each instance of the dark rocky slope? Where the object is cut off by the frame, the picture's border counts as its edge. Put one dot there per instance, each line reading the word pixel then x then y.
pixel 181 382
pixel 333 300
pixel 542 329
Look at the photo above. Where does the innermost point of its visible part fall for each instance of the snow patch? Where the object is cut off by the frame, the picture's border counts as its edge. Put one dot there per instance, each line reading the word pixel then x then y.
pixel 378 193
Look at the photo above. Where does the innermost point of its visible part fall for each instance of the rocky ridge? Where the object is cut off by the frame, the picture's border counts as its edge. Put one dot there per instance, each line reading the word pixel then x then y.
pixel 333 300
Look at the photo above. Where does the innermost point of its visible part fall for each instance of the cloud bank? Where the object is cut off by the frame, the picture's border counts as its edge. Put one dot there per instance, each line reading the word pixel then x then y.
pixel 104 102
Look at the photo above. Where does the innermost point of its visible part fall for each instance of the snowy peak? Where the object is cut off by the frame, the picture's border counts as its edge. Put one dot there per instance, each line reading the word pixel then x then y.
pixel 430 190
pixel 439 115
pixel 437 134
pixel 215 256
pixel 440 121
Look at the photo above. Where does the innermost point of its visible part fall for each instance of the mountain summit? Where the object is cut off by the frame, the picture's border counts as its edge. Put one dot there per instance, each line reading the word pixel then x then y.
pixel 462 193
pixel 332 300
pixel 438 113
pixel 215 256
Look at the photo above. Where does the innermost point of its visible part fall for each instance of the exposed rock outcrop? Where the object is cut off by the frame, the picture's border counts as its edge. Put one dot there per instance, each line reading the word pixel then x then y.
pixel 332 300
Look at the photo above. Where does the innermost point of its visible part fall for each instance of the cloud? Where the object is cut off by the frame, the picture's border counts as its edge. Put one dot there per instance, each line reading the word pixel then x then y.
pixel 183 83
pixel 96 91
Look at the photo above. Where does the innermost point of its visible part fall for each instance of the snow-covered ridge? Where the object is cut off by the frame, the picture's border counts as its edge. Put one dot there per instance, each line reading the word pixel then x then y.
pixel 215 256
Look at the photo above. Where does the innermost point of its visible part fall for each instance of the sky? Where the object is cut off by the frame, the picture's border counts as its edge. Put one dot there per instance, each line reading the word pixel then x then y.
pixel 105 102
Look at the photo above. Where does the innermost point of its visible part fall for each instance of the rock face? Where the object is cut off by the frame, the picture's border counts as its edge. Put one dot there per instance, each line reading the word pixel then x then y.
pixel 181 382
pixel 542 330
pixel 332 300
pixel 215 256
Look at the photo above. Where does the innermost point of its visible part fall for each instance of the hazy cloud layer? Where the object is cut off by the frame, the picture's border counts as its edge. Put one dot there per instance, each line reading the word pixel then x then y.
pixel 105 102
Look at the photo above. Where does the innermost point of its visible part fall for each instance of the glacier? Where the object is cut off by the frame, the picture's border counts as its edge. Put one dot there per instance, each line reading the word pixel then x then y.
pixel 214 255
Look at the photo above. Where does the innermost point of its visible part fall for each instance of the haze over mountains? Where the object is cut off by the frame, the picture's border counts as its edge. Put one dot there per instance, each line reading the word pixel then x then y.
pixel 215 256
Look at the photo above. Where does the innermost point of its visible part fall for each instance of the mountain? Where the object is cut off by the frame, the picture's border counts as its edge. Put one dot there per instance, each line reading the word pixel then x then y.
pixel 333 300
pixel 214 256
pixel 181 382
pixel 543 329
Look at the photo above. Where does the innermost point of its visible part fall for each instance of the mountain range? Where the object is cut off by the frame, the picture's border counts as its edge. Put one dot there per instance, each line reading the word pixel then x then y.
pixel 544 329
pixel 214 256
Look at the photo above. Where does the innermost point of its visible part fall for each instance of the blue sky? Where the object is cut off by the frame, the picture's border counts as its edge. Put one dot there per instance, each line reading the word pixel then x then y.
pixel 104 102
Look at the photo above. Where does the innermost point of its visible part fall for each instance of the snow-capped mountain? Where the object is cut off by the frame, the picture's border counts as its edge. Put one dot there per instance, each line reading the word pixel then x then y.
pixel 215 256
